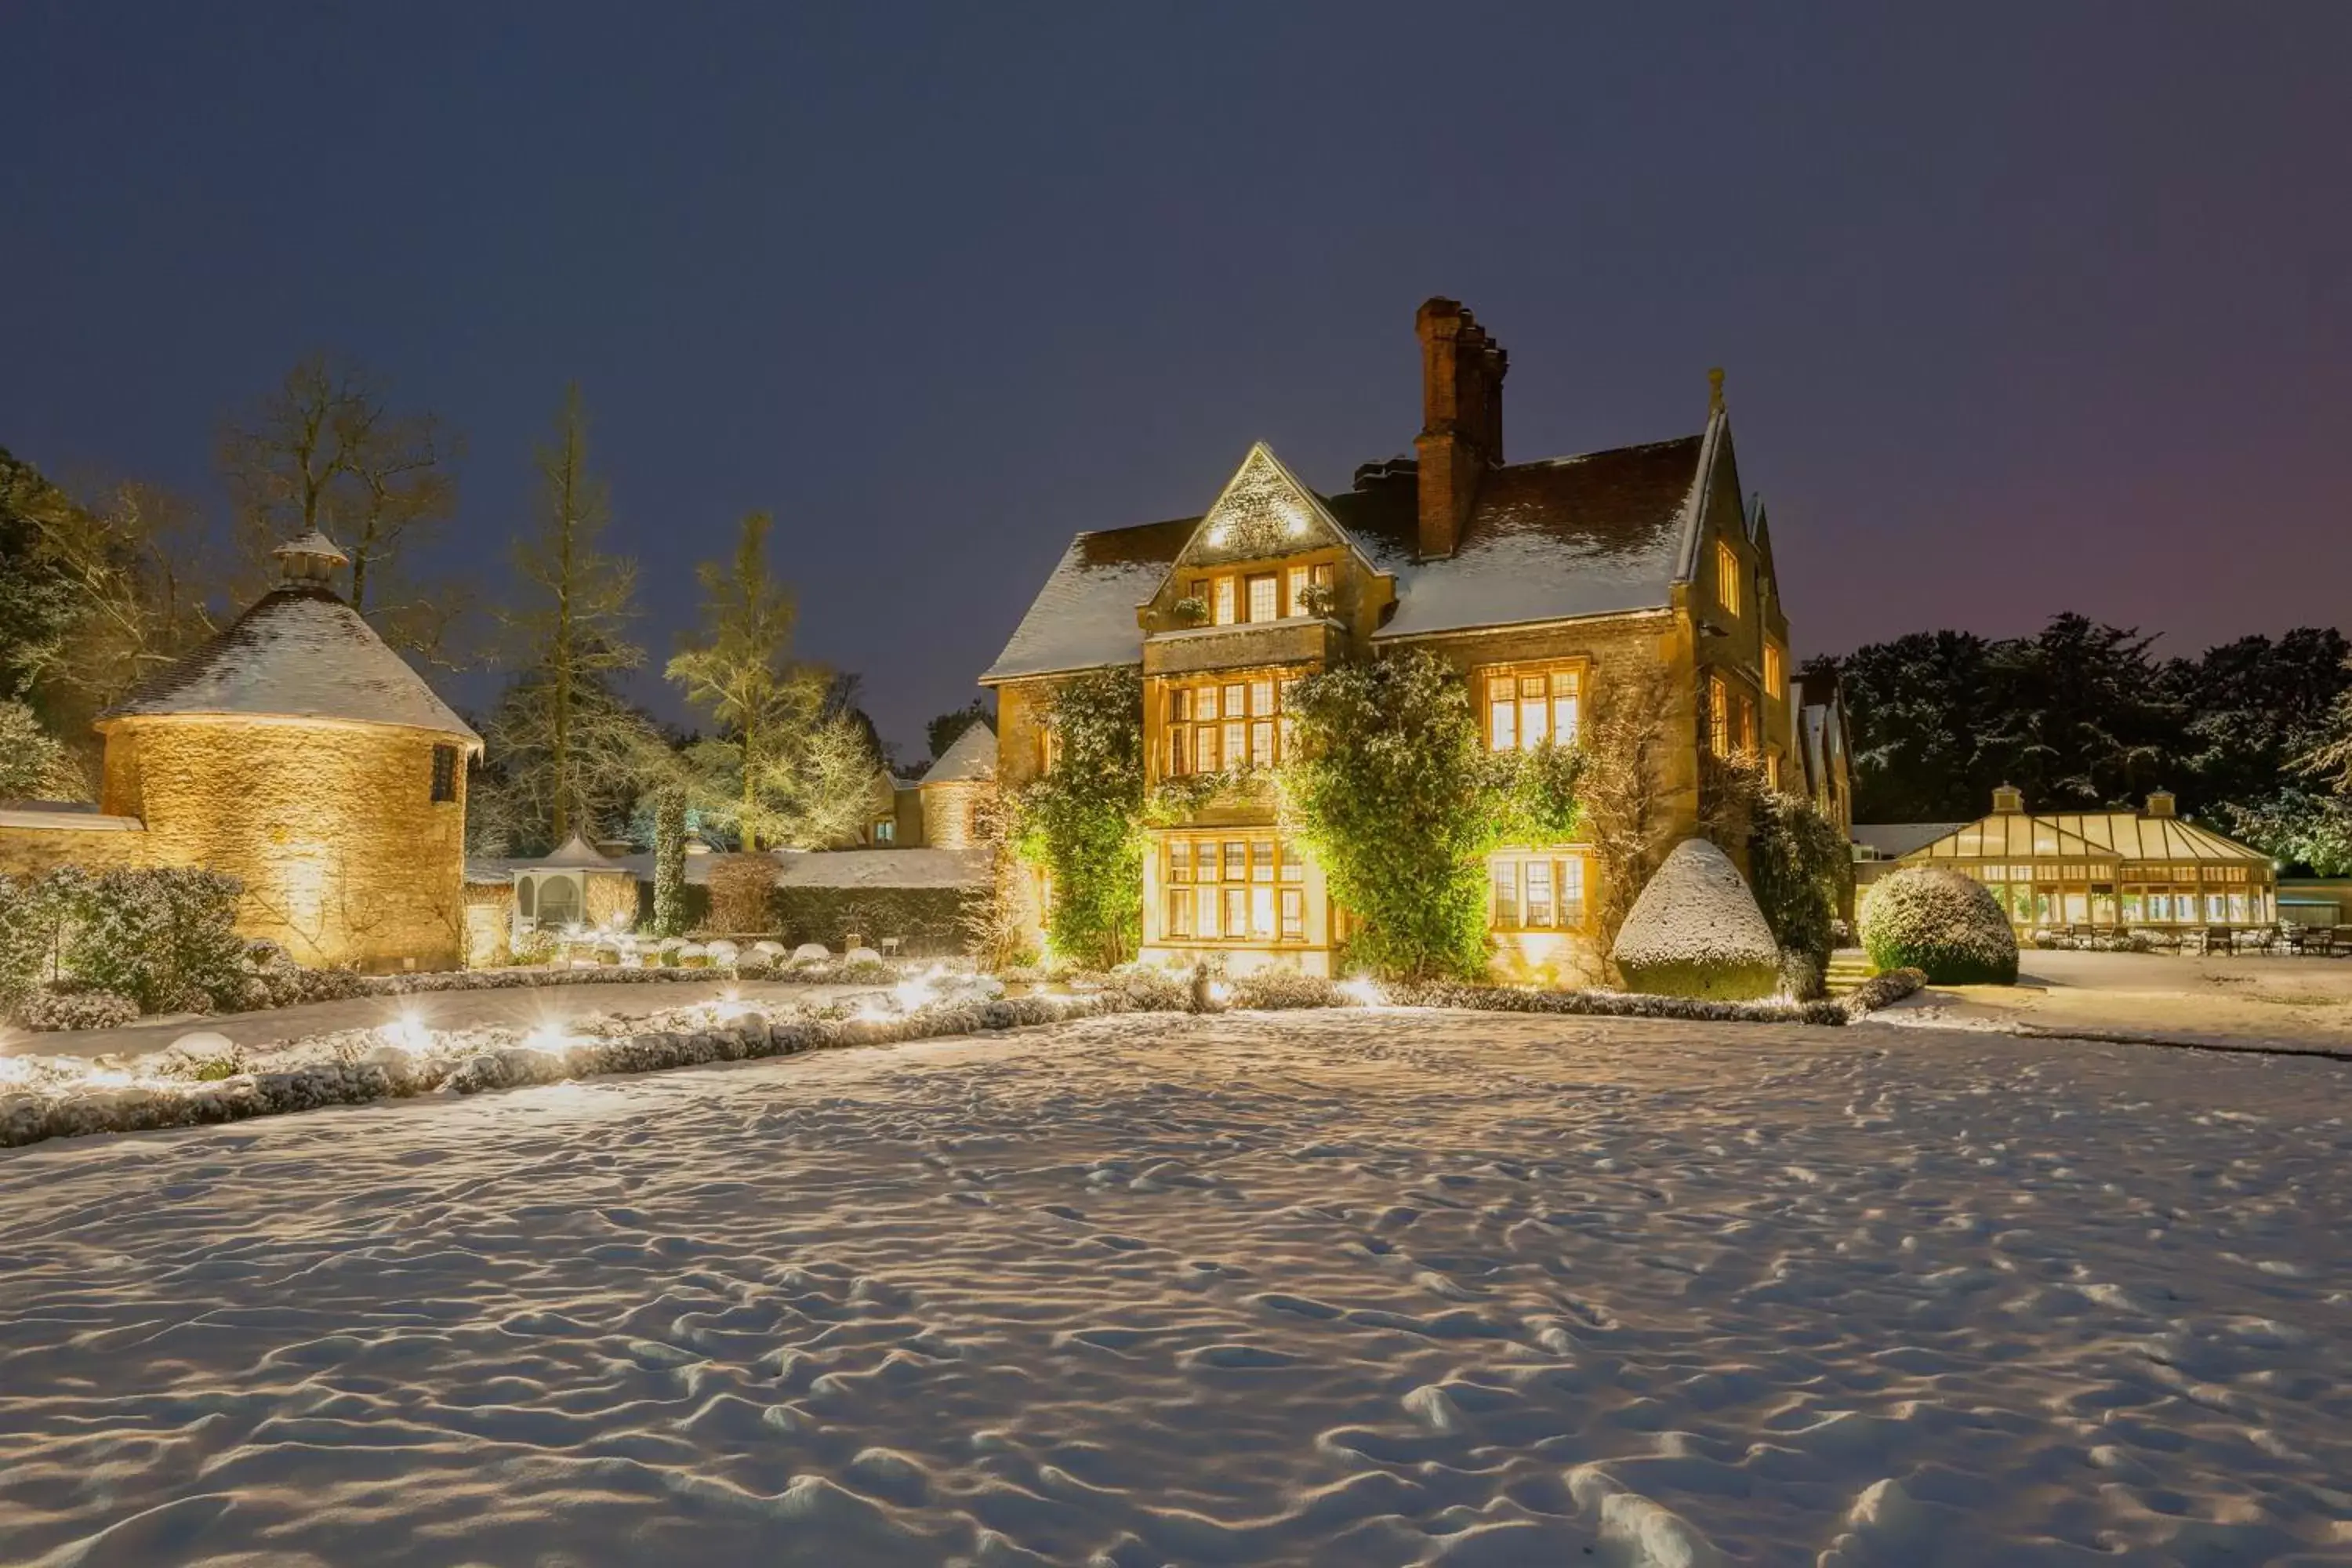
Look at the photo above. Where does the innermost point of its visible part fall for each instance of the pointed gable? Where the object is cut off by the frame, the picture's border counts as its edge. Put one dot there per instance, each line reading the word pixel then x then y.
pixel 1263 511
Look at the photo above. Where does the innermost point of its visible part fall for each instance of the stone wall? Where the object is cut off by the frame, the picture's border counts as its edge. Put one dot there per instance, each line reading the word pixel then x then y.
pixel 947 813
pixel 345 856
pixel 38 851
pixel 489 924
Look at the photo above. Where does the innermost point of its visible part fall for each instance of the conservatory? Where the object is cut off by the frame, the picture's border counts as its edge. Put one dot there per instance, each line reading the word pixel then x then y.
pixel 2107 868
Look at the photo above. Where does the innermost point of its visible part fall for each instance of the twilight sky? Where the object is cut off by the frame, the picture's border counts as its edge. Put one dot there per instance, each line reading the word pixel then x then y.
pixel 2024 308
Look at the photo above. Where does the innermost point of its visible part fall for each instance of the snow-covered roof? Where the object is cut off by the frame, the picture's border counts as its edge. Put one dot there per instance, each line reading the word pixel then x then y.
pixel 973 756
pixel 883 869
pixel 2125 835
pixel 299 653
pixel 1893 840
pixel 1558 539
pixel 574 854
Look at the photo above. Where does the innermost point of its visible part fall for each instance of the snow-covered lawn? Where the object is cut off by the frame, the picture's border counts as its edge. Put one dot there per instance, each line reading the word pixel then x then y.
pixel 1330 1288
pixel 2275 1003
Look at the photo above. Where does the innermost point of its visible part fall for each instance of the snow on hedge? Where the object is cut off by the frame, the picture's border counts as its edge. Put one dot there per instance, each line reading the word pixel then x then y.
pixel 1944 924
pixel 1696 932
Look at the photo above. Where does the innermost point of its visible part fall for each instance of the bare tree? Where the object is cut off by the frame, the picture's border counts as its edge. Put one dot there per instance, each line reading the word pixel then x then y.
pixel 322 451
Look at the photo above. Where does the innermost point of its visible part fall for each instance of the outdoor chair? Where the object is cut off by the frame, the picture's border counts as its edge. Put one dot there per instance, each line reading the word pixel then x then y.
pixel 889 945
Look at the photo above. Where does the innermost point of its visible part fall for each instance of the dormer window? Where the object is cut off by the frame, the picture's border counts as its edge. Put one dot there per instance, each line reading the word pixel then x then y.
pixel 1264 598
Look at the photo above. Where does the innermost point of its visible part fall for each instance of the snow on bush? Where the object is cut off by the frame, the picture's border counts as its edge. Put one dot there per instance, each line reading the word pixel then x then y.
pixel 1696 932
pixel 1598 1004
pixel 164 936
pixel 1272 987
pixel 1941 923
pixel 77 1010
pixel 1880 990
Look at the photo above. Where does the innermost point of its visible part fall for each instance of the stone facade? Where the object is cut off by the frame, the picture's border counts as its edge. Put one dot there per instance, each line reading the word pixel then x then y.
pixel 1550 581
pixel 947 813
pixel 345 856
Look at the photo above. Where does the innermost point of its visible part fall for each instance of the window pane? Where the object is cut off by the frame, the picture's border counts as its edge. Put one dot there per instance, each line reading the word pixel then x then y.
pixel 1237 911
pixel 1236 860
pixel 1262 606
pixel 1236 744
pixel 1534 722
pixel 1298 581
pixel 1571 892
pixel 1179 860
pixel 1506 894
pixel 1236 700
pixel 1261 698
pixel 1503 720
pixel 1204 753
pixel 1293 866
pixel 1204 706
pixel 1262 743
pixel 1262 860
pixel 1323 575
pixel 1183 695
pixel 1225 608
pixel 1204 911
pixel 1176 752
pixel 1293 914
pixel 1262 913
pixel 1179 911
pixel 1538 892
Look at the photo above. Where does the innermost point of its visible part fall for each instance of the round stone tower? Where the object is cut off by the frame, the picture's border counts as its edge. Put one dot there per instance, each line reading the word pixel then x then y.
pixel 299 753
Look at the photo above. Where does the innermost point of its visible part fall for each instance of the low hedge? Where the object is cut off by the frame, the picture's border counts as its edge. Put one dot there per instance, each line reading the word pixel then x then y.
pixel 929 920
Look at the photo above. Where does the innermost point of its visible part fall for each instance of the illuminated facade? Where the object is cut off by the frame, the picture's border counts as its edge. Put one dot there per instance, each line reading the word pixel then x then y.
pixel 299 753
pixel 1540 582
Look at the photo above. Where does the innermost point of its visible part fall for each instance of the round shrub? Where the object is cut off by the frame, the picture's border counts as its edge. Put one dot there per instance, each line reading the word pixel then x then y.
pixel 1941 923
pixel 77 1010
pixel 1696 932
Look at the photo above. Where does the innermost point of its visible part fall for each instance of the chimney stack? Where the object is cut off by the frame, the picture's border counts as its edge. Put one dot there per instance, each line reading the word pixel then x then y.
pixel 1462 371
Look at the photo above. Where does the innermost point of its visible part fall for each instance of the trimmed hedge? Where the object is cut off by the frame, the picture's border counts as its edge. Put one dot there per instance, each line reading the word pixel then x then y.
pixel 1941 923
pixel 926 920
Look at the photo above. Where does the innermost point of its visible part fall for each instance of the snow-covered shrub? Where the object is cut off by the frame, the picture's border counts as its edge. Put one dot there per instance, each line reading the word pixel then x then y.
pixel 1880 990
pixel 1696 932
pixel 1148 988
pixel 1273 986
pixel 77 1010
pixel 1802 868
pixel 537 945
pixel 1941 923
pixel 871 971
pixel 165 937
pixel 27 937
pixel 740 885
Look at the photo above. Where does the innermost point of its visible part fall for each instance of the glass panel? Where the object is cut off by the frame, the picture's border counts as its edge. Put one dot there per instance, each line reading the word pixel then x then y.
pixel 1294 915
pixel 1506 894
pixel 2238 909
pixel 1323 575
pixel 1571 892
pixel 1204 909
pixel 1176 755
pixel 1179 911
pixel 1539 892
pixel 1262 860
pixel 2102 909
pixel 1297 590
pixel 2217 907
pixel 1535 720
pixel 2042 906
pixel 1236 700
pixel 1262 743
pixel 1205 707
pixel 1236 744
pixel 1566 710
pixel 1502 722
pixel 1262 599
pixel 1179 860
pixel 1224 605
pixel 1237 913
pixel 1262 913
pixel 2078 908
pixel 1294 865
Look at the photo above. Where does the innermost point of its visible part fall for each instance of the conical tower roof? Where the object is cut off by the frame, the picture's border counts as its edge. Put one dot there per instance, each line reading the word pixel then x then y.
pixel 299 653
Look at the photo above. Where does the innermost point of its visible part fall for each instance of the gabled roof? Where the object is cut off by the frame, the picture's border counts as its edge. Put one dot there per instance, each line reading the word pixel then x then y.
pixel 972 756
pixel 1558 539
pixel 299 653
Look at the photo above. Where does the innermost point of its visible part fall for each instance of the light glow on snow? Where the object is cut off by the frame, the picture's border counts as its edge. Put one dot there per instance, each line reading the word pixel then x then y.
pixel 1362 990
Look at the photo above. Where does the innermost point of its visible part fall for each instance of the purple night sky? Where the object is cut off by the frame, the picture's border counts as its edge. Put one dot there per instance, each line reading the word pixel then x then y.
pixel 2024 308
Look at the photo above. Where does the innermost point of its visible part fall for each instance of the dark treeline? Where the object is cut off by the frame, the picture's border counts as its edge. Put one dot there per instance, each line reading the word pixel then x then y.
pixel 2081 714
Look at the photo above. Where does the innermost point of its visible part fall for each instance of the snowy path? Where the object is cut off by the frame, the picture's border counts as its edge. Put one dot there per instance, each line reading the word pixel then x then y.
pixel 1336 1288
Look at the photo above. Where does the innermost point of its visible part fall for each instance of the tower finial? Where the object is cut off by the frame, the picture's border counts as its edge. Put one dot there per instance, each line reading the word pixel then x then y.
pixel 311 561
pixel 1714 392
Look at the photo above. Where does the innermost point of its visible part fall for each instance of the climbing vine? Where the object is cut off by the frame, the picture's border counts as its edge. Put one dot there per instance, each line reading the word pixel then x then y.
pixel 1082 821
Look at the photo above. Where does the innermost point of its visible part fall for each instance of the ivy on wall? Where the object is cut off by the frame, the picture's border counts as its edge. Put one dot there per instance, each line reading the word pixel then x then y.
pixel 1081 822
pixel 1799 865
pixel 1392 789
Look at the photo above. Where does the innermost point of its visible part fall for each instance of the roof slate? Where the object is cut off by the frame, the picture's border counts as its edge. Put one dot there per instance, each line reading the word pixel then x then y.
pixel 299 653
pixel 1558 539
pixel 972 756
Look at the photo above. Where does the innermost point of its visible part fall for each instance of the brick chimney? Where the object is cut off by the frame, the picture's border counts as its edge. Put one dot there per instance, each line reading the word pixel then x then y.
pixel 1462 371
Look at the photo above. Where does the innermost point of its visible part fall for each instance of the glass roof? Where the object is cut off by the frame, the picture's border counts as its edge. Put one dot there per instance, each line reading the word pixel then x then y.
pixel 2116 834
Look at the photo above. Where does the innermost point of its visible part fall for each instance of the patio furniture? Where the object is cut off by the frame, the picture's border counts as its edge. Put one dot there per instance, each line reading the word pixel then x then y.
pixel 2216 937
pixel 891 946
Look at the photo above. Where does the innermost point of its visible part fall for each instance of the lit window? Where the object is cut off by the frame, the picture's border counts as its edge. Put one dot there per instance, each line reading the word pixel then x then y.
pixel 1236 742
pixel 1236 860
pixel 1262 860
pixel 1527 706
pixel 886 831
pixel 1204 910
pixel 1263 592
pixel 444 773
pixel 1262 913
pixel 1727 578
pixel 1298 581
pixel 1262 743
pixel 1237 911
pixel 1567 706
pixel 1502 714
pixel 1719 716
pixel 1179 911
pixel 1775 689
pixel 1535 713
pixel 1261 698
pixel 1506 894
pixel 1539 892
pixel 1225 601
pixel 1571 890
pixel 1294 865
pixel 1179 860
pixel 1204 705
pixel 1237 701
pixel 1294 915
pixel 1204 756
